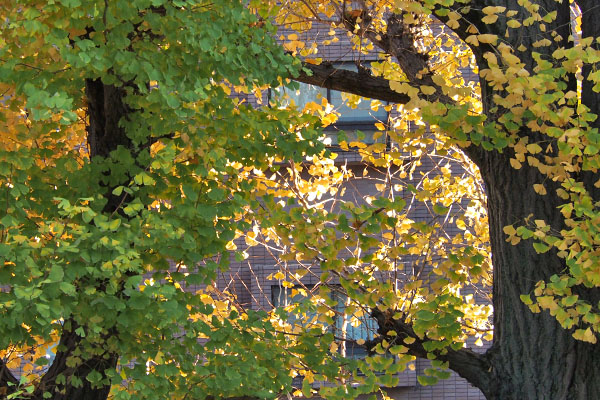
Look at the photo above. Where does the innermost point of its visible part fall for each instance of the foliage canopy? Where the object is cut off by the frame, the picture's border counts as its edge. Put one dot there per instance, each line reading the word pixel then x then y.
pixel 128 170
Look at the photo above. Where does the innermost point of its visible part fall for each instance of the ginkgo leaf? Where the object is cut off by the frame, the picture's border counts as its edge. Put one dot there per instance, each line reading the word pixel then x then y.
pixel 539 188
pixel 513 23
pixel 427 90
pixel 489 19
pixel 487 38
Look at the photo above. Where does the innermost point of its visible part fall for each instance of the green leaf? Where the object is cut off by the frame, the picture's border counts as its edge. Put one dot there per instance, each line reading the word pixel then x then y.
pixel 56 273
pixel 526 299
pixel 439 209
pixel 114 224
pixel 67 288
pixel 426 380
pixel 541 247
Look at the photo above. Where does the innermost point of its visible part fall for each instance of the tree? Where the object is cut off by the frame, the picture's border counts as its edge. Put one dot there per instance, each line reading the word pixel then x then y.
pixel 125 170
pixel 531 128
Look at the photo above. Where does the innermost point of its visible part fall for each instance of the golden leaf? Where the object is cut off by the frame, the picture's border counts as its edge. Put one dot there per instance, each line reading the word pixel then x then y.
pixel 513 23
pixel 487 38
pixel 489 19
pixel 515 163
pixel 539 189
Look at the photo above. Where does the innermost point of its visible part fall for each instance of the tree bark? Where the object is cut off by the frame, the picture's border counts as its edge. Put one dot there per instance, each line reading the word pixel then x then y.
pixel 532 356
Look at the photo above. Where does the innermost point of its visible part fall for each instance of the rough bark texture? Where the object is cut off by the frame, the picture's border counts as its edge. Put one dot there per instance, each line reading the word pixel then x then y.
pixel 532 356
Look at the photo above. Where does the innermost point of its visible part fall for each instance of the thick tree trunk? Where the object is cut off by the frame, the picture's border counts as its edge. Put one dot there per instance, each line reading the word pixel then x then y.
pixel 532 357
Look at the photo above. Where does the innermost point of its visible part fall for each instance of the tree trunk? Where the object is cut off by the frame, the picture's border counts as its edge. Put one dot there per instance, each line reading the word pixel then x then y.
pixel 71 345
pixel 532 356
pixel 75 358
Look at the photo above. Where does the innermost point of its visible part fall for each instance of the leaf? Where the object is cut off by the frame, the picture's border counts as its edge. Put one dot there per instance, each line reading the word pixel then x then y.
pixel 426 380
pixel 585 335
pixel 534 148
pixel 439 209
pixel 539 188
pixel 56 273
pixel 472 39
pixel 114 224
pixel 513 23
pixel 427 90
pixel 67 288
pixel 526 299
pixel 509 230
pixel 540 247
pixel 515 163
pixel 144 179
pixel 487 38
pixel 489 19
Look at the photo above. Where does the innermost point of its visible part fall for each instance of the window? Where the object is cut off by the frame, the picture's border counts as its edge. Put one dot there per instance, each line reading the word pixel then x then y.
pixel 351 120
pixel 351 327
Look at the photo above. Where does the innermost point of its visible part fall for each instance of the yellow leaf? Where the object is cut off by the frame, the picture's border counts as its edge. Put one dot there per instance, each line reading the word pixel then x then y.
pixel 493 10
pixel 487 38
pixel 511 13
pixel 534 148
pixel 380 186
pixel 539 188
pixel 453 24
pixel 472 39
pixel 510 58
pixel 489 19
pixel 542 43
pixel 427 90
pixel 515 164
pixel 513 23
pixel 329 119
pixel 585 336
pixel 509 230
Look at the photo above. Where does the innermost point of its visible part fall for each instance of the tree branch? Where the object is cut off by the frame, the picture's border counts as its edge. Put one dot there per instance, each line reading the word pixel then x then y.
pixel 474 367
pixel 399 42
pixel 325 75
